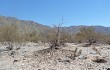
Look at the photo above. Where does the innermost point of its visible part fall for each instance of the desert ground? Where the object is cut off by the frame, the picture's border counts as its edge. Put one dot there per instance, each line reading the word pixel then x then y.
pixel 38 56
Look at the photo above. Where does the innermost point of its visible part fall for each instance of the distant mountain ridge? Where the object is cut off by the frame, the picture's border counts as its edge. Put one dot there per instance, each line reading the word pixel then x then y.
pixel 101 29
pixel 26 25
pixel 23 25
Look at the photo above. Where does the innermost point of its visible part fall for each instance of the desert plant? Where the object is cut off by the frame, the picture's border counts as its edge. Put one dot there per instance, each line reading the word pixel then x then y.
pixel 55 37
pixel 65 37
pixel 87 34
pixel 105 39
pixel 9 35
pixel 31 37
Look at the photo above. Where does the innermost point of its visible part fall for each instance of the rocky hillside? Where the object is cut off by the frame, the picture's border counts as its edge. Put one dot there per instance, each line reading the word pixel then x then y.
pixel 26 25
pixel 23 25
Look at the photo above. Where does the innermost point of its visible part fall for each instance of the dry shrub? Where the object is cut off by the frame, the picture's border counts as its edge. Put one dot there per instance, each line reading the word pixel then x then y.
pixel 9 34
pixel 65 37
pixel 105 39
pixel 56 37
pixel 52 37
pixel 31 37
pixel 86 34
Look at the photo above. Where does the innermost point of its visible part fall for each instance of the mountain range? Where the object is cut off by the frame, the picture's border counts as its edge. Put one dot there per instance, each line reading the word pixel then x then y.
pixel 26 25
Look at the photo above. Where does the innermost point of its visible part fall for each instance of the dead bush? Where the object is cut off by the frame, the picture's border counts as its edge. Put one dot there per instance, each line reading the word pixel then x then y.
pixel 56 37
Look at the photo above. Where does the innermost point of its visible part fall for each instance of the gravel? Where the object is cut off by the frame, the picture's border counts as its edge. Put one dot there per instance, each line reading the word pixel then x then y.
pixel 33 56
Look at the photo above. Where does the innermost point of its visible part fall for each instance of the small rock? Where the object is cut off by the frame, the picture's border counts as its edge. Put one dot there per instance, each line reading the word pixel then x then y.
pixel 108 68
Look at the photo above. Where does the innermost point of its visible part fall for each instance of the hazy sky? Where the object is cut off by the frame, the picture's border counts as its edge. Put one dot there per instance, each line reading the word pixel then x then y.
pixel 48 12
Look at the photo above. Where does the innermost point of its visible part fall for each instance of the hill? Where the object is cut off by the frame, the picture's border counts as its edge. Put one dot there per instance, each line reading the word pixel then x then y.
pixel 23 25
pixel 27 26
pixel 75 29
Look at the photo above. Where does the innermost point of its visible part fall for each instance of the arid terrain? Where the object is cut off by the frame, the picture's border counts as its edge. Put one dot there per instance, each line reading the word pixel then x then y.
pixel 27 45
pixel 54 35
pixel 38 56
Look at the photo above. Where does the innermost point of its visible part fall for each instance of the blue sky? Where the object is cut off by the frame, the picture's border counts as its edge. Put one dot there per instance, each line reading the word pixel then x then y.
pixel 48 12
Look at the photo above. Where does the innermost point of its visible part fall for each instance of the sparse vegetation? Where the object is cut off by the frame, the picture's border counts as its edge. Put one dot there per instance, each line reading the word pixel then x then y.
pixel 9 35
pixel 53 36
pixel 87 35
pixel 104 39
pixel 31 37
pixel 56 37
